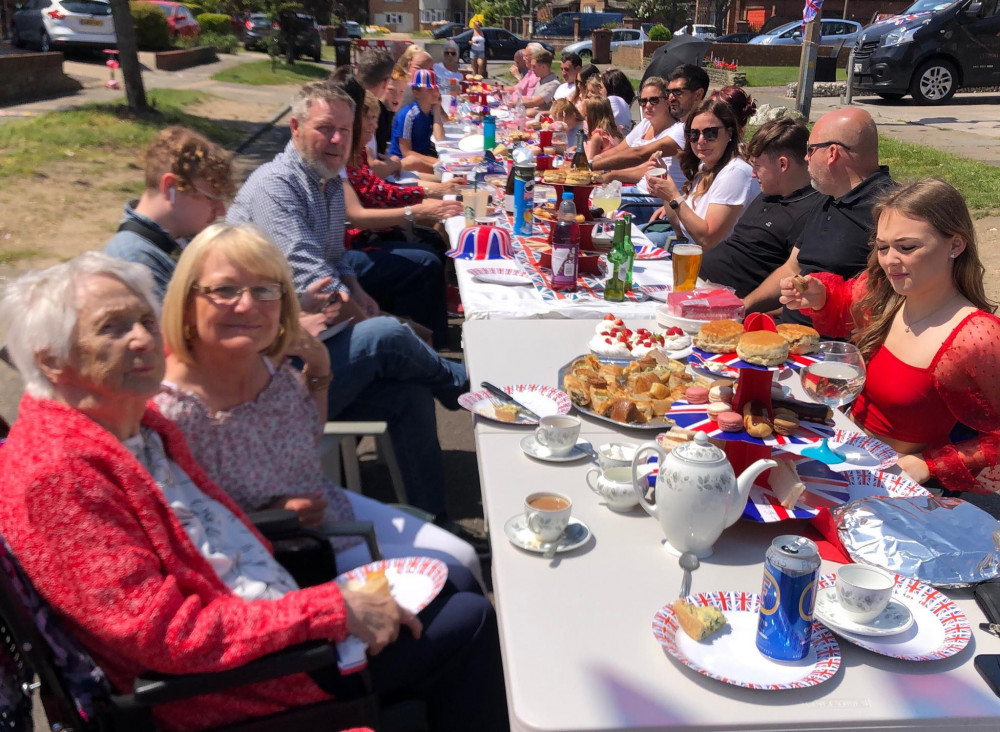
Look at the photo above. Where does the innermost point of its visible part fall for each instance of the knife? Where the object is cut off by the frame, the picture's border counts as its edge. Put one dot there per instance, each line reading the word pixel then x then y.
pixel 505 397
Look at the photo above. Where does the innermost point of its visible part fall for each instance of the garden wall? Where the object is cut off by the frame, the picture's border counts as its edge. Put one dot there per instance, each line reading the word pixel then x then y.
pixel 185 58
pixel 28 76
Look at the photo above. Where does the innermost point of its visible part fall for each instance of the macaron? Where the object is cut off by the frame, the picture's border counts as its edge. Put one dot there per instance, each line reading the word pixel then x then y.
pixel 720 394
pixel 730 422
pixel 696 395
pixel 717 408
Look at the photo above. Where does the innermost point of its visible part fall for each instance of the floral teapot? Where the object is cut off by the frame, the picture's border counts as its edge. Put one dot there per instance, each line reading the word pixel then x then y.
pixel 697 493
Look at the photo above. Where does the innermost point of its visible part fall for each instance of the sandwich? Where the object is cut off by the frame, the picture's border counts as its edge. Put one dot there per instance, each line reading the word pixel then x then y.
pixel 719 336
pixel 785 483
pixel 763 347
pixel 801 338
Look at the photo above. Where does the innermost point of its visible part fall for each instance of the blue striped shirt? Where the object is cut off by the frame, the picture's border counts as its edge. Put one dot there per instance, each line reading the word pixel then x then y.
pixel 300 212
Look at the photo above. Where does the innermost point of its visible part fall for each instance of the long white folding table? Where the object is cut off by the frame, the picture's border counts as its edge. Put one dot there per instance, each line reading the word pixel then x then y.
pixel 578 649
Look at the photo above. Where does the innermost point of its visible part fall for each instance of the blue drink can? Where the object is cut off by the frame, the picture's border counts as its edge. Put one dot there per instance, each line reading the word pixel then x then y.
pixel 787 598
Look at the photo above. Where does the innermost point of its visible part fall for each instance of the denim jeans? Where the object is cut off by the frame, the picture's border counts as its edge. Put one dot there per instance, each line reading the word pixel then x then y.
pixel 640 205
pixel 382 371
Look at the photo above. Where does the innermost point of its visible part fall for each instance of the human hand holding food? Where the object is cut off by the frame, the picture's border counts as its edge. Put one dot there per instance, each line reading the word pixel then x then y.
pixel 662 188
pixel 374 616
pixel 802 292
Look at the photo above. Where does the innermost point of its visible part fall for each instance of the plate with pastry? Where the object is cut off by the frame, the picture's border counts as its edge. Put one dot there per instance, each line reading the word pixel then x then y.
pixel 714 633
pixel 412 581
pixel 542 400
pixel 723 345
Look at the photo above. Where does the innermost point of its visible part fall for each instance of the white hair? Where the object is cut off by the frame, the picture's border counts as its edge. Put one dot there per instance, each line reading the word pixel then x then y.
pixel 532 48
pixel 450 45
pixel 315 91
pixel 40 309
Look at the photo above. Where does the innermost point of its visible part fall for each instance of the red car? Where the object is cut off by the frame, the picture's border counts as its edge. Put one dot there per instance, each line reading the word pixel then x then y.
pixel 181 21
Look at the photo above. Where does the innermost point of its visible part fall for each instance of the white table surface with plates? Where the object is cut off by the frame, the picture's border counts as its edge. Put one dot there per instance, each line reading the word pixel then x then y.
pixel 578 647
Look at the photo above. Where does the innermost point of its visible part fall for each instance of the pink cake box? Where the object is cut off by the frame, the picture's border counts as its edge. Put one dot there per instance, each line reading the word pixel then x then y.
pixel 706 304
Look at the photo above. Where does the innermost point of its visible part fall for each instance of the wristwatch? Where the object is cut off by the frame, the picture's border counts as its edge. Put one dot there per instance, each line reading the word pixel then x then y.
pixel 408 213
pixel 675 204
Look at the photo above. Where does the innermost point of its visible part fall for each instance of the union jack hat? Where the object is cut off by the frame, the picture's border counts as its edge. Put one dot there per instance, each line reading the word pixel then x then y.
pixel 424 79
pixel 483 242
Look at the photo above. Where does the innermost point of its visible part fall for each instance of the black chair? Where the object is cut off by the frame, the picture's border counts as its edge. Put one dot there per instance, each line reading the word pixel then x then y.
pixel 78 698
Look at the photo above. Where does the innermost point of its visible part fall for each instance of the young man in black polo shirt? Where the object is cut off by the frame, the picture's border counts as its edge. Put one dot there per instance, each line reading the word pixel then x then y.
pixel 772 222
pixel 842 155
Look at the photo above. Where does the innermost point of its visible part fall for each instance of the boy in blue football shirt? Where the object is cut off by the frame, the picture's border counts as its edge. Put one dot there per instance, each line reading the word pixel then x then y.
pixel 418 124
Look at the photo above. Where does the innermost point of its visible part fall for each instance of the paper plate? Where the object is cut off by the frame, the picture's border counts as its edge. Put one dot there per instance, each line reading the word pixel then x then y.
pixel 656 292
pixel 731 362
pixel 500 276
pixel 940 629
pixel 542 400
pixel 414 581
pixel 731 654
pixel 471 144
pixel 861 451
pixel 650 251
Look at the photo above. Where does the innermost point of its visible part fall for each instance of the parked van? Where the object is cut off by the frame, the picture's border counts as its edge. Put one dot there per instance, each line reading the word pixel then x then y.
pixel 562 24
pixel 930 51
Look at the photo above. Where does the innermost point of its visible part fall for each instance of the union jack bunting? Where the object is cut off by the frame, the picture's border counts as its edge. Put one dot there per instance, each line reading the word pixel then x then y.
pixel 811 10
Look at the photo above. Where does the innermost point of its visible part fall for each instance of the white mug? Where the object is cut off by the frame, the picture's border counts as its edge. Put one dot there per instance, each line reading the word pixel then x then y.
pixel 558 433
pixel 547 515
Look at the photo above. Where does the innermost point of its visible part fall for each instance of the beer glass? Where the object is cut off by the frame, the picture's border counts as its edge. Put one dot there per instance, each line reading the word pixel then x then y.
pixel 686 260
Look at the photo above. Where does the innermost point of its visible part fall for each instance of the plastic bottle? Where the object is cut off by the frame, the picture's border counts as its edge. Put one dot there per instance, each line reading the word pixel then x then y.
pixel 453 108
pixel 629 250
pixel 580 161
pixel 489 132
pixel 524 192
pixel 614 288
pixel 565 246
pixel 520 114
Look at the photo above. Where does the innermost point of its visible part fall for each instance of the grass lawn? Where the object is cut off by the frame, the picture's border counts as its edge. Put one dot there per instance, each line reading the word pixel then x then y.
pixel 95 131
pixel 778 75
pixel 259 73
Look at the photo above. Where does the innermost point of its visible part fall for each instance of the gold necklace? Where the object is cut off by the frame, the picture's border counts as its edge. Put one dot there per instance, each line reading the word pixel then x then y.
pixel 909 328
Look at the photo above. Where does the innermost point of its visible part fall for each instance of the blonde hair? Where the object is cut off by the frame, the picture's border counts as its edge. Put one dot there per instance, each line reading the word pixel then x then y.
pixel 561 108
pixel 598 115
pixel 403 62
pixel 246 246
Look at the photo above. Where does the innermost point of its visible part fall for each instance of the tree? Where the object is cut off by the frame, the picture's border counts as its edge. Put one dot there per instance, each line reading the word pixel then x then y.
pixel 670 12
pixel 128 57
pixel 494 10
pixel 721 11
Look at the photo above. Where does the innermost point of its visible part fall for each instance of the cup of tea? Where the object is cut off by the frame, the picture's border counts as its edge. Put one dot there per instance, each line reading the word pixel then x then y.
pixel 558 433
pixel 863 592
pixel 547 515
pixel 656 173
pixel 686 261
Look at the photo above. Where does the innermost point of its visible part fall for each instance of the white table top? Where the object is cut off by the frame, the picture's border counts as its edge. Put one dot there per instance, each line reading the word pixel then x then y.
pixel 578 649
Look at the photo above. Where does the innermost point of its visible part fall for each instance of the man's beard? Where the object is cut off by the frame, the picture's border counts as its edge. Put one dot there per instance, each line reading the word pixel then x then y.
pixel 315 163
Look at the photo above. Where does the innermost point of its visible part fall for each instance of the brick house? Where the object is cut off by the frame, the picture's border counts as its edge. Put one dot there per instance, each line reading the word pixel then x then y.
pixel 753 14
pixel 401 16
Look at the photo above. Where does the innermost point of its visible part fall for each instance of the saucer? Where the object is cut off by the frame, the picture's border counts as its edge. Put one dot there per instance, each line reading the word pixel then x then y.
pixel 532 448
pixel 895 618
pixel 575 535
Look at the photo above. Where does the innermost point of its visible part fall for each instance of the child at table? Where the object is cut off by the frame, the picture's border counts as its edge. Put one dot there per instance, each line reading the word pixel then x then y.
pixel 418 124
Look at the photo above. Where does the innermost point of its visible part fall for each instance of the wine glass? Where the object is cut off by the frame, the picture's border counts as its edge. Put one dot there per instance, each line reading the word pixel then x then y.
pixel 835 380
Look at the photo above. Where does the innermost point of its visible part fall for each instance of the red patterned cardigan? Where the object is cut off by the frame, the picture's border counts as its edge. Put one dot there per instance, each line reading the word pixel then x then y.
pixel 374 192
pixel 94 535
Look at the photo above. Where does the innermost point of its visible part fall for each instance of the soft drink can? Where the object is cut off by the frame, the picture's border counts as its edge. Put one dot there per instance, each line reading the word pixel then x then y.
pixel 787 598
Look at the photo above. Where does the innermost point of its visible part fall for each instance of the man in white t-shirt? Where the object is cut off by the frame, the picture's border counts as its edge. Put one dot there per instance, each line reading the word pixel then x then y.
pixel 571 65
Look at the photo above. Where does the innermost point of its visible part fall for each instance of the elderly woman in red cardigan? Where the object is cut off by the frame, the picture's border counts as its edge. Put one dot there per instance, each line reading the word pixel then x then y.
pixel 150 564
pixel 920 317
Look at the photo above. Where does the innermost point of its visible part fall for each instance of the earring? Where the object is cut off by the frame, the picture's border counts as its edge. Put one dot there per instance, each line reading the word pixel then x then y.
pixel 188 332
pixel 281 331
pixel 953 255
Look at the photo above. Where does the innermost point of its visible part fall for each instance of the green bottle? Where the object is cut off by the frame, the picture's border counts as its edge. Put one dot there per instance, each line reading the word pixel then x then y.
pixel 614 288
pixel 629 251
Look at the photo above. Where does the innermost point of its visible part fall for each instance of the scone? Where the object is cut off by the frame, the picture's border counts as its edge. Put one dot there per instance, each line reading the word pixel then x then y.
pixel 719 336
pixel 698 622
pixel 801 338
pixel 376 584
pixel 763 347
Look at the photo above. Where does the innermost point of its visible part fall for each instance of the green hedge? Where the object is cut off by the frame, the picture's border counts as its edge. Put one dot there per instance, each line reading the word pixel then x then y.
pixel 215 23
pixel 223 42
pixel 195 8
pixel 151 30
pixel 659 33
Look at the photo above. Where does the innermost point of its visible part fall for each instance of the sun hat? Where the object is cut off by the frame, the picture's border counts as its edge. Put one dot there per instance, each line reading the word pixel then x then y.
pixel 483 242
pixel 424 79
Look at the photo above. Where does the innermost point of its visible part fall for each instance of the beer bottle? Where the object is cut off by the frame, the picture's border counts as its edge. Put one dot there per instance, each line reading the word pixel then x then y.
pixel 580 161
pixel 614 288
pixel 629 250
pixel 508 193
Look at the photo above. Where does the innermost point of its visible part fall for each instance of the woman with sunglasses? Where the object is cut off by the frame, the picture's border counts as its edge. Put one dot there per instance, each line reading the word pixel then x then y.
pixel 720 183
pixel 447 71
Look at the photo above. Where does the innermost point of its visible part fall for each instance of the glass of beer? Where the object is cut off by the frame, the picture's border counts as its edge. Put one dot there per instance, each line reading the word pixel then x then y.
pixel 686 259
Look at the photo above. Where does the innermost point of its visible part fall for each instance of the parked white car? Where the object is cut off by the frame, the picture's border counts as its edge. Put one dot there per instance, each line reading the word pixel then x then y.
pixel 831 30
pixel 699 30
pixel 50 25
pixel 619 37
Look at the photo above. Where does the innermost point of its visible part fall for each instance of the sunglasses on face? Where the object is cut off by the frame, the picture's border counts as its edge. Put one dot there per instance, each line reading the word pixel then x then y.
pixel 451 53
pixel 814 146
pixel 643 101
pixel 711 134
pixel 677 92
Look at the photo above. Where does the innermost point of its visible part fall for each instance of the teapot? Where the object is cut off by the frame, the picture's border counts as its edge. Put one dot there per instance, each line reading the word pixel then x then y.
pixel 697 493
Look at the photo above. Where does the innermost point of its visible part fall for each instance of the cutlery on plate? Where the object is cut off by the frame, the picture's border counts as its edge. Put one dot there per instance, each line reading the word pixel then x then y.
pixel 505 397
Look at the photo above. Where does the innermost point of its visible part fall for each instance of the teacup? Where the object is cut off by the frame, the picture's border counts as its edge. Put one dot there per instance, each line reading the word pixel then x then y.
pixel 614 485
pixel 558 433
pixel 615 455
pixel 547 515
pixel 863 591
pixel 656 172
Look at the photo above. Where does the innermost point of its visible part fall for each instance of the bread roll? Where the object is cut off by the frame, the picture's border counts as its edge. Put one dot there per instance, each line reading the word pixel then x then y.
pixel 763 347
pixel 801 338
pixel 719 336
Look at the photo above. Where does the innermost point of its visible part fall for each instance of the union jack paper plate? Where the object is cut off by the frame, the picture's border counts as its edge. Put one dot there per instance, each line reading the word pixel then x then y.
pixel 650 251
pixel 940 629
pixel 861 452
pixel 731 362
pixel 542 400
pixel 500 276
pixel 413 581
pixel 731 654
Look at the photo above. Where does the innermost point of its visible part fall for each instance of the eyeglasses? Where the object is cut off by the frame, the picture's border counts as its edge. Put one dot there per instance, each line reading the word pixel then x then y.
pixel 677 92
pixel 711 134
pixel 643 101
pixel 451 53
pixel 814 146
pixel 231 294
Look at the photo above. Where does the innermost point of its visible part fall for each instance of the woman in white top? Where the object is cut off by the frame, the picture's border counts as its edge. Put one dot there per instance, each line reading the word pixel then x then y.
pixel 721 184
pixel 477 49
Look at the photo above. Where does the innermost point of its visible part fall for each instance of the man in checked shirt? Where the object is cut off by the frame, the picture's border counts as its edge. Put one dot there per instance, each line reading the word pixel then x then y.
pixel 382 371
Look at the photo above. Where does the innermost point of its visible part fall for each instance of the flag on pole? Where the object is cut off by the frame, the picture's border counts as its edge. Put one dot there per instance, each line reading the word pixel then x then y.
pixel 811 10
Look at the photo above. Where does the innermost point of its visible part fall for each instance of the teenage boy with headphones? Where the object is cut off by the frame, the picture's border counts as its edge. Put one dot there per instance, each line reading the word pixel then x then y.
pixel 188 180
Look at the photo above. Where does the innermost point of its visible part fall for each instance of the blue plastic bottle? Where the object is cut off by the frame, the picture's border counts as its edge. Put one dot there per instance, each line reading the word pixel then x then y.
pixel 489 132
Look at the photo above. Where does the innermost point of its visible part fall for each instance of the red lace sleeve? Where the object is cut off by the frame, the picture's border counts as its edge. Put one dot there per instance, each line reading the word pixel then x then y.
pixel 834 318
pixel 373 192
pixel 967 375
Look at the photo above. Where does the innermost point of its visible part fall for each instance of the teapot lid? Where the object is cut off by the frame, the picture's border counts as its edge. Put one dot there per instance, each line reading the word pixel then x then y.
pixel 699 450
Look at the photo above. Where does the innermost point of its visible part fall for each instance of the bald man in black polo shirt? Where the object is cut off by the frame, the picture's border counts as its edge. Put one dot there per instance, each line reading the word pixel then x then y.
pixel 771 224
pixel 842 155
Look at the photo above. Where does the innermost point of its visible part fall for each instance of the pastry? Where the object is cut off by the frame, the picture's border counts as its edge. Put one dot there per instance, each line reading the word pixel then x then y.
pixel 785 483
pixel 500 151
pixel 805 411
pixel 786 422
pixel 601 401
pixel 578 178
pixel 376 584
pixel 625 411
pixel 659 391
pixel 696 395
pixel 801 338
pixel 717 408
pixel 720 394
pixel 577 388
pixel 554 176
pixel 507 412
pixel 730 422
pixel 763 347
pixel 697 621
pixel 800 283
pixel 719 336
pixel 549 150
pixel 755 420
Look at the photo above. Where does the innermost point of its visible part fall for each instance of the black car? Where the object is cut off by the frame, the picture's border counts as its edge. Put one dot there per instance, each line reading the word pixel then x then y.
pixel 447 30
pixel 304 35
pixel 501 44
pixel 735 38
pixel 257 29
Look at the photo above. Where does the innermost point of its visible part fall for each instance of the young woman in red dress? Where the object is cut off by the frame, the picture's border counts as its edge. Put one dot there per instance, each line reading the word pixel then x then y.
pixel 921 318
